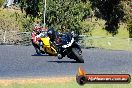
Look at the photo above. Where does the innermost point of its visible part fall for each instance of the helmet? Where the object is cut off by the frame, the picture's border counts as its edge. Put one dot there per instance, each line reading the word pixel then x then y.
pixel 37 28
pixel 51 32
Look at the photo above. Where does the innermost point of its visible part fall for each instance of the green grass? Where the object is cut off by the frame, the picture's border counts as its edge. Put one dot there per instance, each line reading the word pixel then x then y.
pixel 102 39
pixel 122 32
pixel 99 31
pixel 71 84
pixel 108 43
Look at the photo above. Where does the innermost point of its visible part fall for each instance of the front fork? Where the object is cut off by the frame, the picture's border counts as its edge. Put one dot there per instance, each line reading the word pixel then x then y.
pixel 60 52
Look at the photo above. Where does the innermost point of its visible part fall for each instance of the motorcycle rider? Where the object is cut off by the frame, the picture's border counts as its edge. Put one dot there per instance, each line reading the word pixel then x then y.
pixel 52 35
pixel 55 38
pixel 37 29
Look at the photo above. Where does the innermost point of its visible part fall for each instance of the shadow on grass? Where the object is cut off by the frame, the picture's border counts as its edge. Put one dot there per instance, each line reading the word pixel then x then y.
pixel 91 48
pixel 63 61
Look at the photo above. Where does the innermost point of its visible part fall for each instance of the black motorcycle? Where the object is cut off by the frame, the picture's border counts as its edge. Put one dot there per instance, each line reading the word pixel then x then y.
pixel 67 45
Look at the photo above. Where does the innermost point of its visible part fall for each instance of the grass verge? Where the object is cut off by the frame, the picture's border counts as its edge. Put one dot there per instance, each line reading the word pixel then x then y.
pixel 108 43
pixel 61 82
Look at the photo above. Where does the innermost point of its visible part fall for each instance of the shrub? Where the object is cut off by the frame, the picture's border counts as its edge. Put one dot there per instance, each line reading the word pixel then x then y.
pixel 1 2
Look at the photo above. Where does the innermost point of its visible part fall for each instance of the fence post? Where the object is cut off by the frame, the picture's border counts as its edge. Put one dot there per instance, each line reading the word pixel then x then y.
pixel 128 42
pixel 4 37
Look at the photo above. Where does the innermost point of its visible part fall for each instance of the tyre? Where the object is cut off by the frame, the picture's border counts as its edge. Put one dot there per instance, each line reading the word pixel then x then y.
pixel 77 55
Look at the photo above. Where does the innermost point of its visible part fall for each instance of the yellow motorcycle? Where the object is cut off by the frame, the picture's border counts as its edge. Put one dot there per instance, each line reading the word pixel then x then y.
pixel 46 46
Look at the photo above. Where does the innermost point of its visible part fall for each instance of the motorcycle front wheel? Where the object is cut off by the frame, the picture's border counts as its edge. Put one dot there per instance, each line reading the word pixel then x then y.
pixel 77 55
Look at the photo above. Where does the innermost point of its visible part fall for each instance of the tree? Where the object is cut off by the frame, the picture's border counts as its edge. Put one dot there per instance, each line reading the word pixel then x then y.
pixel 68 13
pixel 1 2
pixel 128 15
pixel 32 8
pixel 111 11
pixel 62 12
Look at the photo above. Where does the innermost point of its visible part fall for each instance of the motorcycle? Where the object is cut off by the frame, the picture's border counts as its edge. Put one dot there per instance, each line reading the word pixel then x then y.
pixel 68 46
pixel 45 46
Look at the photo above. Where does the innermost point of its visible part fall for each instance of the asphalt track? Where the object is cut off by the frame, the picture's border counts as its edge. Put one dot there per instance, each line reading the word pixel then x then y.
pixel 20 61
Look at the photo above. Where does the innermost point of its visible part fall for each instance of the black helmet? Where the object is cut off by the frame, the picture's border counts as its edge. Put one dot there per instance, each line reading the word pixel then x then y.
pixel 51 32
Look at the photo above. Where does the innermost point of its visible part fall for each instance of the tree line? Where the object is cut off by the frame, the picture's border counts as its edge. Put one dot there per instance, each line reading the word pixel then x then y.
pixel 71 13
